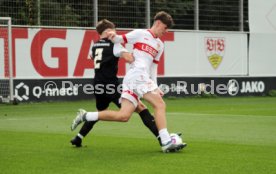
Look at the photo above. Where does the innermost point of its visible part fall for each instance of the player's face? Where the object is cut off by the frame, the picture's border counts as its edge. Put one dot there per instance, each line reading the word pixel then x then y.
pixel 108 32
pixel 161 29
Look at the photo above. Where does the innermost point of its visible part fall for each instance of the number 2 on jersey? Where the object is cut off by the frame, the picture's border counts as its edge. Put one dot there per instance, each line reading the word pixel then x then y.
pixel 98 58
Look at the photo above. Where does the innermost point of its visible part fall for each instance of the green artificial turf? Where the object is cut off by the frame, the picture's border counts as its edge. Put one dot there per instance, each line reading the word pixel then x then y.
pixel 224 135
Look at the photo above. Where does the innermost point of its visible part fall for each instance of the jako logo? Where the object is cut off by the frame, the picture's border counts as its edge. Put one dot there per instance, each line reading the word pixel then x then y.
pixel 253 87
pixel 25 94
pixel 246 87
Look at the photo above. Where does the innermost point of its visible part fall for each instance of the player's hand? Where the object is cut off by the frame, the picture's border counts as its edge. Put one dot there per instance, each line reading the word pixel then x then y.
pixel 131 58
pixel 161 93
pixel 128 57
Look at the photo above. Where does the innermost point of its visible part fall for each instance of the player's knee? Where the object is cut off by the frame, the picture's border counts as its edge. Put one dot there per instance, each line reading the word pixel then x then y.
pixel 124 117
pixel 140 107
pixel 160 104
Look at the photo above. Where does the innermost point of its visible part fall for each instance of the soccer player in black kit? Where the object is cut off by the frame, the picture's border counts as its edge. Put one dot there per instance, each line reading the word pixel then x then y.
pixel 106 55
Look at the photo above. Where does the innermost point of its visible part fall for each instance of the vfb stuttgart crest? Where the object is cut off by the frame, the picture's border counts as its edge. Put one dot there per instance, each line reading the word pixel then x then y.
pixel 215 48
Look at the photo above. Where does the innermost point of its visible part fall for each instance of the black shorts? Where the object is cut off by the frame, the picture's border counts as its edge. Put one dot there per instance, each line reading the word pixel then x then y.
pixel 104 99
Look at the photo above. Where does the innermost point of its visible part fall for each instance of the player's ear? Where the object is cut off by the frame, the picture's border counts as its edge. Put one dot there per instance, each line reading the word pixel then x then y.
pixel 158 22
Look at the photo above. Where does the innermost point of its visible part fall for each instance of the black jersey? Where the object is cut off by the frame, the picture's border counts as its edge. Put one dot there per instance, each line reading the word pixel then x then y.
pixel 105 62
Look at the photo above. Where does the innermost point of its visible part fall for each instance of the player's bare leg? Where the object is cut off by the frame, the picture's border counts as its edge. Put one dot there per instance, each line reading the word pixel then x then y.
pixel 159 106
pixel 148 120
pixel 123 115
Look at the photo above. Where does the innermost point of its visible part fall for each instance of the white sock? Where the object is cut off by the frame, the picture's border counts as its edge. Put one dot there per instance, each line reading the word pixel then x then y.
pixel 164 135
pixel 92 116
pixel 80 136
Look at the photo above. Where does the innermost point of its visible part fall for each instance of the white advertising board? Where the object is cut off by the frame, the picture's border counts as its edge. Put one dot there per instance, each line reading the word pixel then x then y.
pixel 206 54
pixel 62 53
pixel 262 46
pixel 262 16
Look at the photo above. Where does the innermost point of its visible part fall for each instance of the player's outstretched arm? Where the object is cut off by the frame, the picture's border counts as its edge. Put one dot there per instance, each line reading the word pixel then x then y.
pixel 120 51
pixel 114 37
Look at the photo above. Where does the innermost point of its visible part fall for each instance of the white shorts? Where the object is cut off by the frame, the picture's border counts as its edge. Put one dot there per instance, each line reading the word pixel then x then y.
pixel 136 83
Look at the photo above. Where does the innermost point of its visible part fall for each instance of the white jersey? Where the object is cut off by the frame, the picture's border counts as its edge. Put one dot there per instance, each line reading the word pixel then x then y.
pixel 147 49
pixel 142 75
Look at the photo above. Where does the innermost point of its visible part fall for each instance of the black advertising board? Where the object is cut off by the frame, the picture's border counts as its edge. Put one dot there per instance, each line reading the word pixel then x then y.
pixel 29 90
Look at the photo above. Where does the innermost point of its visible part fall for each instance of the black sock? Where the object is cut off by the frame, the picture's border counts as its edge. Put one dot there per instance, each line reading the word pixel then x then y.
pixel 86 128
pixel 149 121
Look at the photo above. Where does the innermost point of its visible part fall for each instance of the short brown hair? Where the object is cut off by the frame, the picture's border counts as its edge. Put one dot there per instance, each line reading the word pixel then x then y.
pixel 165 18
pixel 103 25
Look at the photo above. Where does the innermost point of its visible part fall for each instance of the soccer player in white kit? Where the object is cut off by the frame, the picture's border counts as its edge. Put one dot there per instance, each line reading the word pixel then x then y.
pixel 141 80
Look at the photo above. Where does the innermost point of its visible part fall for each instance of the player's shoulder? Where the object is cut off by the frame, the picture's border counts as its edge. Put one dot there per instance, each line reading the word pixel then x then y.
pixel 103 43
pixel 139 31
pixel 161 43
pixel 104 40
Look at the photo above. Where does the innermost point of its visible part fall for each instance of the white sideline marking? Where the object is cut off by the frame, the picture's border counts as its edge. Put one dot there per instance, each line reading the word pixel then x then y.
pixel 170 113
pixel 31 118
pixel 206 114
